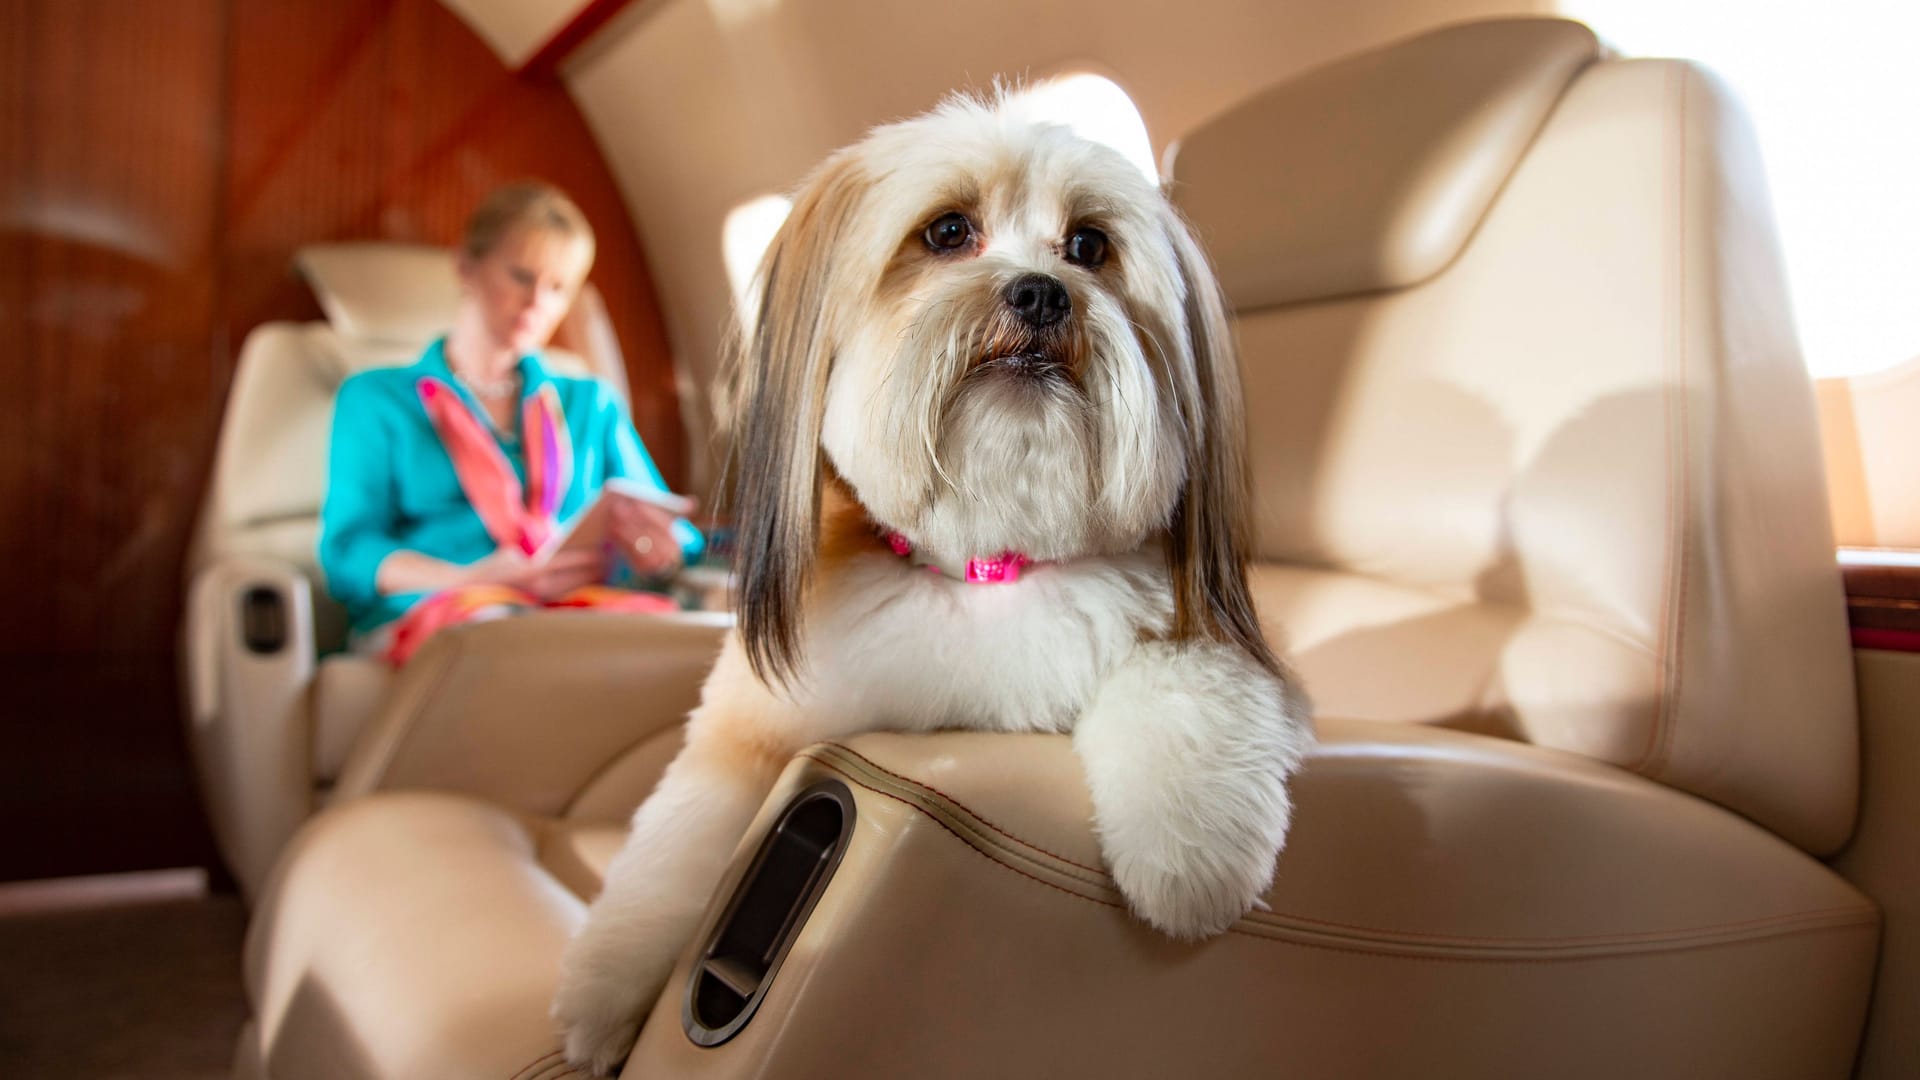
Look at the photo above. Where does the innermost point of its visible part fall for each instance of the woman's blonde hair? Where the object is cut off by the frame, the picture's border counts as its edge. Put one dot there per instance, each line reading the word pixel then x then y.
pixel 528 202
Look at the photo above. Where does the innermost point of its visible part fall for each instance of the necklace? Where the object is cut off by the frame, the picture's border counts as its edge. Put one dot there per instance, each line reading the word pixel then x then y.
pixel 504 386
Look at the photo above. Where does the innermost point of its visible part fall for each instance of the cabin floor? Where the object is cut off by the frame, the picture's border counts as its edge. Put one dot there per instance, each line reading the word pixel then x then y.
pixel 129 979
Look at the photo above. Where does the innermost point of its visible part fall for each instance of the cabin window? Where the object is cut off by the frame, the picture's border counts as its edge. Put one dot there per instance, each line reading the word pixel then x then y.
pixel 749 228
pixel 1832 97
pixel 1096 108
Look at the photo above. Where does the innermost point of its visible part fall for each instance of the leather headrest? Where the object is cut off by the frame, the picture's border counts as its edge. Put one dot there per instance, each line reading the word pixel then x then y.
pixel 397 294
pixel 1371 173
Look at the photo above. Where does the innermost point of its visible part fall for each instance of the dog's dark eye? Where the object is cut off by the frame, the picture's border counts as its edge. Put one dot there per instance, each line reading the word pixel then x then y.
pixel 949 232
pixel 1087 247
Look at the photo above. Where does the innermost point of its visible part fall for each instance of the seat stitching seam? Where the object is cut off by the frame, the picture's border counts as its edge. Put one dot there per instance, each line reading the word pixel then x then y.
pixel 1683 536
pixel 522 1072
pixel 969 844
pixel 1656 748
pixel 1701 944
pixel 1821 915
pixel 1687 940
pixel 929 787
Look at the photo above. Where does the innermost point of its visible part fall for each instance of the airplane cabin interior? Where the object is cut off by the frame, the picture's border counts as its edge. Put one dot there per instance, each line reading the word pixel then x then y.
pixel 851 538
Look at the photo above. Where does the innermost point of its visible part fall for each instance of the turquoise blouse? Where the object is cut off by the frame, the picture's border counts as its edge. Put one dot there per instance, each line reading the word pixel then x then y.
pixel 391 485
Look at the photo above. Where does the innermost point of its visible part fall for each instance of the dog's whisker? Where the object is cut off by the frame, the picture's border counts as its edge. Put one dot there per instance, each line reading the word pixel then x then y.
pixel 1165 360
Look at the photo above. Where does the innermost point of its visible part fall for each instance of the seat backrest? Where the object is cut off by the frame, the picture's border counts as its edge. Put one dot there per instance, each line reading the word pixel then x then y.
pixel 1531 431
pixel 384 303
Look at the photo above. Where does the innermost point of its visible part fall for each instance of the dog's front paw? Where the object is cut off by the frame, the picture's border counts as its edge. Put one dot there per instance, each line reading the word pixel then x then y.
pixel 603 998
pixel 1185 890
pixel 600 1019
pixel 1188 749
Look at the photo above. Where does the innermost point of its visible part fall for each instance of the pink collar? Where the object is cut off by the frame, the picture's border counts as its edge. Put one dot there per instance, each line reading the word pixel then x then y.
pixel 1001 569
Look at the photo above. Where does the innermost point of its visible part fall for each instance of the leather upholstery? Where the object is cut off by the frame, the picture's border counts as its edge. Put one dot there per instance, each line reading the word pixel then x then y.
pixel 270 473
pixel 465 714
pixel 347 689
pixel 1448 905
pixel 1591 437
pixel 451 957
pixel 375 292
pixel 1425 133
pixel 1542 523
pixel 1880 860
pixel 1478 901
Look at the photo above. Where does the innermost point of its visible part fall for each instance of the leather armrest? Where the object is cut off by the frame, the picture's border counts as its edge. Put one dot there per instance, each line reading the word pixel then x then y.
pixel 1505 909
pixel 525 712
pixel 249 656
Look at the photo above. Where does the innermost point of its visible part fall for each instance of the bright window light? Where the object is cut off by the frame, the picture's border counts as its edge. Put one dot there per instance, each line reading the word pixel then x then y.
pixel 1095 108
pixel 749 228
pixel 1091 105
pixel 1833 97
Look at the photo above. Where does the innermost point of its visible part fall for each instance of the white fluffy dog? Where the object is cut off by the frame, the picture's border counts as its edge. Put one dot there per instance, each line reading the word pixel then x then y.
pixel 987 449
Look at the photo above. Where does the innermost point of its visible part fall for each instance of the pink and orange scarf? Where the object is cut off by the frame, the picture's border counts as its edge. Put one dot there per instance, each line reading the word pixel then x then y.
pixel 512 517
pixel 525 517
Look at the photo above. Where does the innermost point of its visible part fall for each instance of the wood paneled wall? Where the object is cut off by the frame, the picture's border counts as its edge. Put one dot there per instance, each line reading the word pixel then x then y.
pixel 159 163
pixel 390 119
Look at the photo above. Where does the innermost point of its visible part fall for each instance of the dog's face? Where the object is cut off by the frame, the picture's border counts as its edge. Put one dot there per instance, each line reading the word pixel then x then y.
pixel 1002 337
pixel 999 378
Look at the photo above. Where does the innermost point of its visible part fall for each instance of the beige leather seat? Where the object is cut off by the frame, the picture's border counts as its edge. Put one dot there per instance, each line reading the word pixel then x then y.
pixel 274 707
pixel 1542 513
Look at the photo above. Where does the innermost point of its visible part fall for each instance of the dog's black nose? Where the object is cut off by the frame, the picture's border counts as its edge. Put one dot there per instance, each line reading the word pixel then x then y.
pixel 1039 300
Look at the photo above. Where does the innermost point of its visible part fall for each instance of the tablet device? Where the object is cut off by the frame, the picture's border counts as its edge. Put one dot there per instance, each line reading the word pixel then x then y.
pixel 589 530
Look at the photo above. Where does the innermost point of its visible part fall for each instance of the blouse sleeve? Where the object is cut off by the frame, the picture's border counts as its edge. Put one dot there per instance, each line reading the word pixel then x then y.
pixel 357 517
pixel 627 458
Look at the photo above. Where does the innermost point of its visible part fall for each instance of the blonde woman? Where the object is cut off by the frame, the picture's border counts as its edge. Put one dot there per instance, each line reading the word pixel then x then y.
pixel 450 479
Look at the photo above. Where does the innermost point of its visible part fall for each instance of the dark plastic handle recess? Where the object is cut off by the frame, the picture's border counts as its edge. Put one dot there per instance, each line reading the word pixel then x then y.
pixel 263 620
pixel 739 958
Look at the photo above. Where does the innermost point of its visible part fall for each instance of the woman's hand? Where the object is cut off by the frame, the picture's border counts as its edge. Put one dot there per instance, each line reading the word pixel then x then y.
pixel 644 533
pixel 550 580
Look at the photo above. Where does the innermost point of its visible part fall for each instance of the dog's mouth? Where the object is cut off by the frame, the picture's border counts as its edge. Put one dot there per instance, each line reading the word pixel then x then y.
pixel 1016 354
pixel 1029 364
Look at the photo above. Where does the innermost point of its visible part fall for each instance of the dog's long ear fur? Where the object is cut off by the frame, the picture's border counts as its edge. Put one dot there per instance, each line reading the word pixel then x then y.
pixel 1211 530
pixel 773 396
